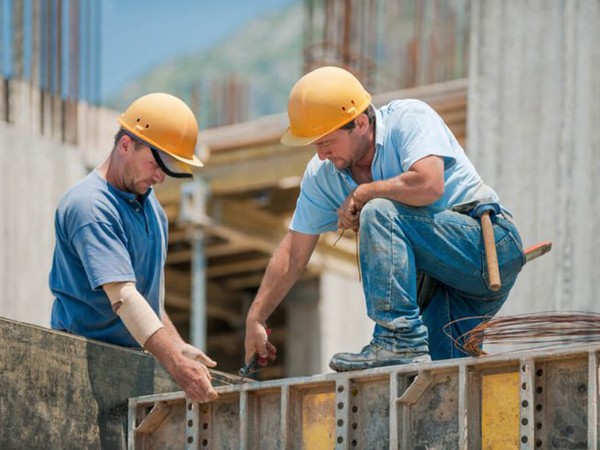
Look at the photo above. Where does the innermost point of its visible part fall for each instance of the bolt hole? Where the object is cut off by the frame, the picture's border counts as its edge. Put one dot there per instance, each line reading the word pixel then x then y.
pixel 340 423
pixel 190 406
pixel 525 421
pixel 354 409
pixel 205 442
pixel 538 425
pixel 340 405
pixel 582 388
pixel 539 390
pixel 354 443
pixel 190 439
pixel 190 423
pixel 524 386
pixel 538 407
pixel 344 108
pixel 355 392
pixel 525 404
pixel 340 439
pixel 340 389
pixel 540 372
pixel 354 426
pixel 147 126
pixel 523 368
pixel 205 426
pixel 524 439
pixel 538 443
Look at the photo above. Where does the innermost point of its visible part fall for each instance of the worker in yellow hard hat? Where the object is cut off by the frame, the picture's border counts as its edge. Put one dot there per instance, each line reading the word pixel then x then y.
pixel 398 177
pixel 107 273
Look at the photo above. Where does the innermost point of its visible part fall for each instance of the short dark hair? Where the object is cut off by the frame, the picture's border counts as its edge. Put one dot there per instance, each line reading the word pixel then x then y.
pixel 370 112
pixel 122 132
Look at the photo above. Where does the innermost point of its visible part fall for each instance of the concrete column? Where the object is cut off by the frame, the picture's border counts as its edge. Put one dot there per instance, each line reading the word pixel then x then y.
pixel 534 111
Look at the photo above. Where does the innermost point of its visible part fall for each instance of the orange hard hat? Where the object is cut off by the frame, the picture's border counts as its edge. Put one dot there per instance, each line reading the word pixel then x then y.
pixel 167 124
pixel 321 102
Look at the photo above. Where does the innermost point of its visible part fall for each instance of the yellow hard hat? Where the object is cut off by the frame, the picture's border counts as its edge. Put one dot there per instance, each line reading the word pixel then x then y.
pixel 165 123
pixel 321 102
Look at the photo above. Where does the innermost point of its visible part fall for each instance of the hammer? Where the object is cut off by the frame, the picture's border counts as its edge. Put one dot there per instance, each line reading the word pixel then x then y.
pixel 484 211
pixel 490 251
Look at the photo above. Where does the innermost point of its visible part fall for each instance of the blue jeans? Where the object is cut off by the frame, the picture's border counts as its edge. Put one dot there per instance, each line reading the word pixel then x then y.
pixel 397 240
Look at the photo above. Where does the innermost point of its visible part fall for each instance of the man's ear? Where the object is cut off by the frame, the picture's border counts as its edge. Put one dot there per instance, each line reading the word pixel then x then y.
pixel 362 123
pixel 125 144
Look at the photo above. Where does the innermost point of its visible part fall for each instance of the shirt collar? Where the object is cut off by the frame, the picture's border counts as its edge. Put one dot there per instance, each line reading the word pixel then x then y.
pixel 379 128
pixel 129 197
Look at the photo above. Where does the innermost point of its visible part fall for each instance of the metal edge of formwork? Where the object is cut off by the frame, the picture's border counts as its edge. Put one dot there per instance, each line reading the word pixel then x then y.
pixel 467 394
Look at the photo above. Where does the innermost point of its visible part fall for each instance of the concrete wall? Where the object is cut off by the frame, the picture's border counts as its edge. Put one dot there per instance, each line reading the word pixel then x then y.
pixel 534 135
pixel 36 167
pixel 64 391
pixel 34 172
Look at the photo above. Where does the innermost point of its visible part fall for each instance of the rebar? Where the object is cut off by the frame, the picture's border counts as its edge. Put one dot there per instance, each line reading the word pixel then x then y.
pixel 545 329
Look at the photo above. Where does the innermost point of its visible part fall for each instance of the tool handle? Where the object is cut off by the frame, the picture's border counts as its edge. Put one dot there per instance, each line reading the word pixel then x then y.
pixel 490 251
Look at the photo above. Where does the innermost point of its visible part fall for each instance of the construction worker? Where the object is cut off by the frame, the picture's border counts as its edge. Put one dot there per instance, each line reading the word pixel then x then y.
pixel 393 175
pixel 107 273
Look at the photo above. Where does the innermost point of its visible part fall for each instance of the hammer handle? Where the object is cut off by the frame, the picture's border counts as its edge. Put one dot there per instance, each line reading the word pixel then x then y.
pixel 490 251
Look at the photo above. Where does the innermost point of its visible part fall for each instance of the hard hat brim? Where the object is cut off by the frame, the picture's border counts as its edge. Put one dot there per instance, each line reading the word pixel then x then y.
pixel 291 140
pixel 171 166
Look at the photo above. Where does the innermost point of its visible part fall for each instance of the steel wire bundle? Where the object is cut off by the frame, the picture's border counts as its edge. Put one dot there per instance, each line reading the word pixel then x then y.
pixel 539 330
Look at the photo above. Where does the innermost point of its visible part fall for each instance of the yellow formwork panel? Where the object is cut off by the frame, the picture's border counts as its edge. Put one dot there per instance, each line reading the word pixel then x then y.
pixel 318 421
pixel 500 411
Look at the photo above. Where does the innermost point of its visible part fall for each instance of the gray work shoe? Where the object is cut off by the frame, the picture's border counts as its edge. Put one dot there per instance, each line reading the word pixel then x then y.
pixel 374 356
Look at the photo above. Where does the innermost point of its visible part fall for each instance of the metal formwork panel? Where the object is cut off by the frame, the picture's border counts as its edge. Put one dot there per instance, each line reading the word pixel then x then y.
pixel 527 400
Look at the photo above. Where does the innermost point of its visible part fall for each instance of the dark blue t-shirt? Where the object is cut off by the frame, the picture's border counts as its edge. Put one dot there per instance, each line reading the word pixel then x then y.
pixel 105 235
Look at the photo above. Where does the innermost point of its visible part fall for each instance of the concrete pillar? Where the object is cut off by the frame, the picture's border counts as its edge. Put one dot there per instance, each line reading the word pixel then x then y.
pixel 534 135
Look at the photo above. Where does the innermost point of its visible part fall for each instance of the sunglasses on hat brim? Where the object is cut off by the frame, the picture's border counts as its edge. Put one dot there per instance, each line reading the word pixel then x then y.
pixel 171 166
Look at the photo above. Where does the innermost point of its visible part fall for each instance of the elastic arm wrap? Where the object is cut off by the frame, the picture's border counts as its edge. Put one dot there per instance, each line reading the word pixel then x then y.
pixel 133 309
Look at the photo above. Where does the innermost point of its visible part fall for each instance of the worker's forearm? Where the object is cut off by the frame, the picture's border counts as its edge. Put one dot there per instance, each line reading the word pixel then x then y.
pixel 284 269
pixel 421 185
pixel 161 345
pixel 275 285
pixel 409 188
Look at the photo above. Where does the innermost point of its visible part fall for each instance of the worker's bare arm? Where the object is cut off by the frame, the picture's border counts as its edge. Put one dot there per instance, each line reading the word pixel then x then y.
pixel 162 340
pixel 421 185
pixel 284 269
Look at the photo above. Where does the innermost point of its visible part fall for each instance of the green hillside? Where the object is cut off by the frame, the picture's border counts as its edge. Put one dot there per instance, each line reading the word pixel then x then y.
pixel 264 58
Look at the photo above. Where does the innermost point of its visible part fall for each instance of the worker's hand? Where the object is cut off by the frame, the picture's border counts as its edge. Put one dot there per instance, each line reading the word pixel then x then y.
pixel 349 213
pixel 257 342
pixel 195 354
pixel 195 379
pixel 191 375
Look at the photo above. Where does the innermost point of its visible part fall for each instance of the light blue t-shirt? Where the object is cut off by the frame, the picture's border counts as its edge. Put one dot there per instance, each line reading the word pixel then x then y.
pixel 104 235
pixel 405 132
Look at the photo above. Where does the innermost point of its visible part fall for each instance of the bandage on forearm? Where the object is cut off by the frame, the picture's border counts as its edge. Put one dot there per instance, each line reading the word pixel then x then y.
pixel 135 312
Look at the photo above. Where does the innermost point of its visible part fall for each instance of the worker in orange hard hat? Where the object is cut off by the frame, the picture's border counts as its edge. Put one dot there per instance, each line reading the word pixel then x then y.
pixel 398 177
pixel 107 274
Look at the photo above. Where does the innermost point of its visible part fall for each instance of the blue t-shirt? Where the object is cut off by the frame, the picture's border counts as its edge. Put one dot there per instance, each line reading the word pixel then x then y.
pixel 104 235
pixel 405 132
